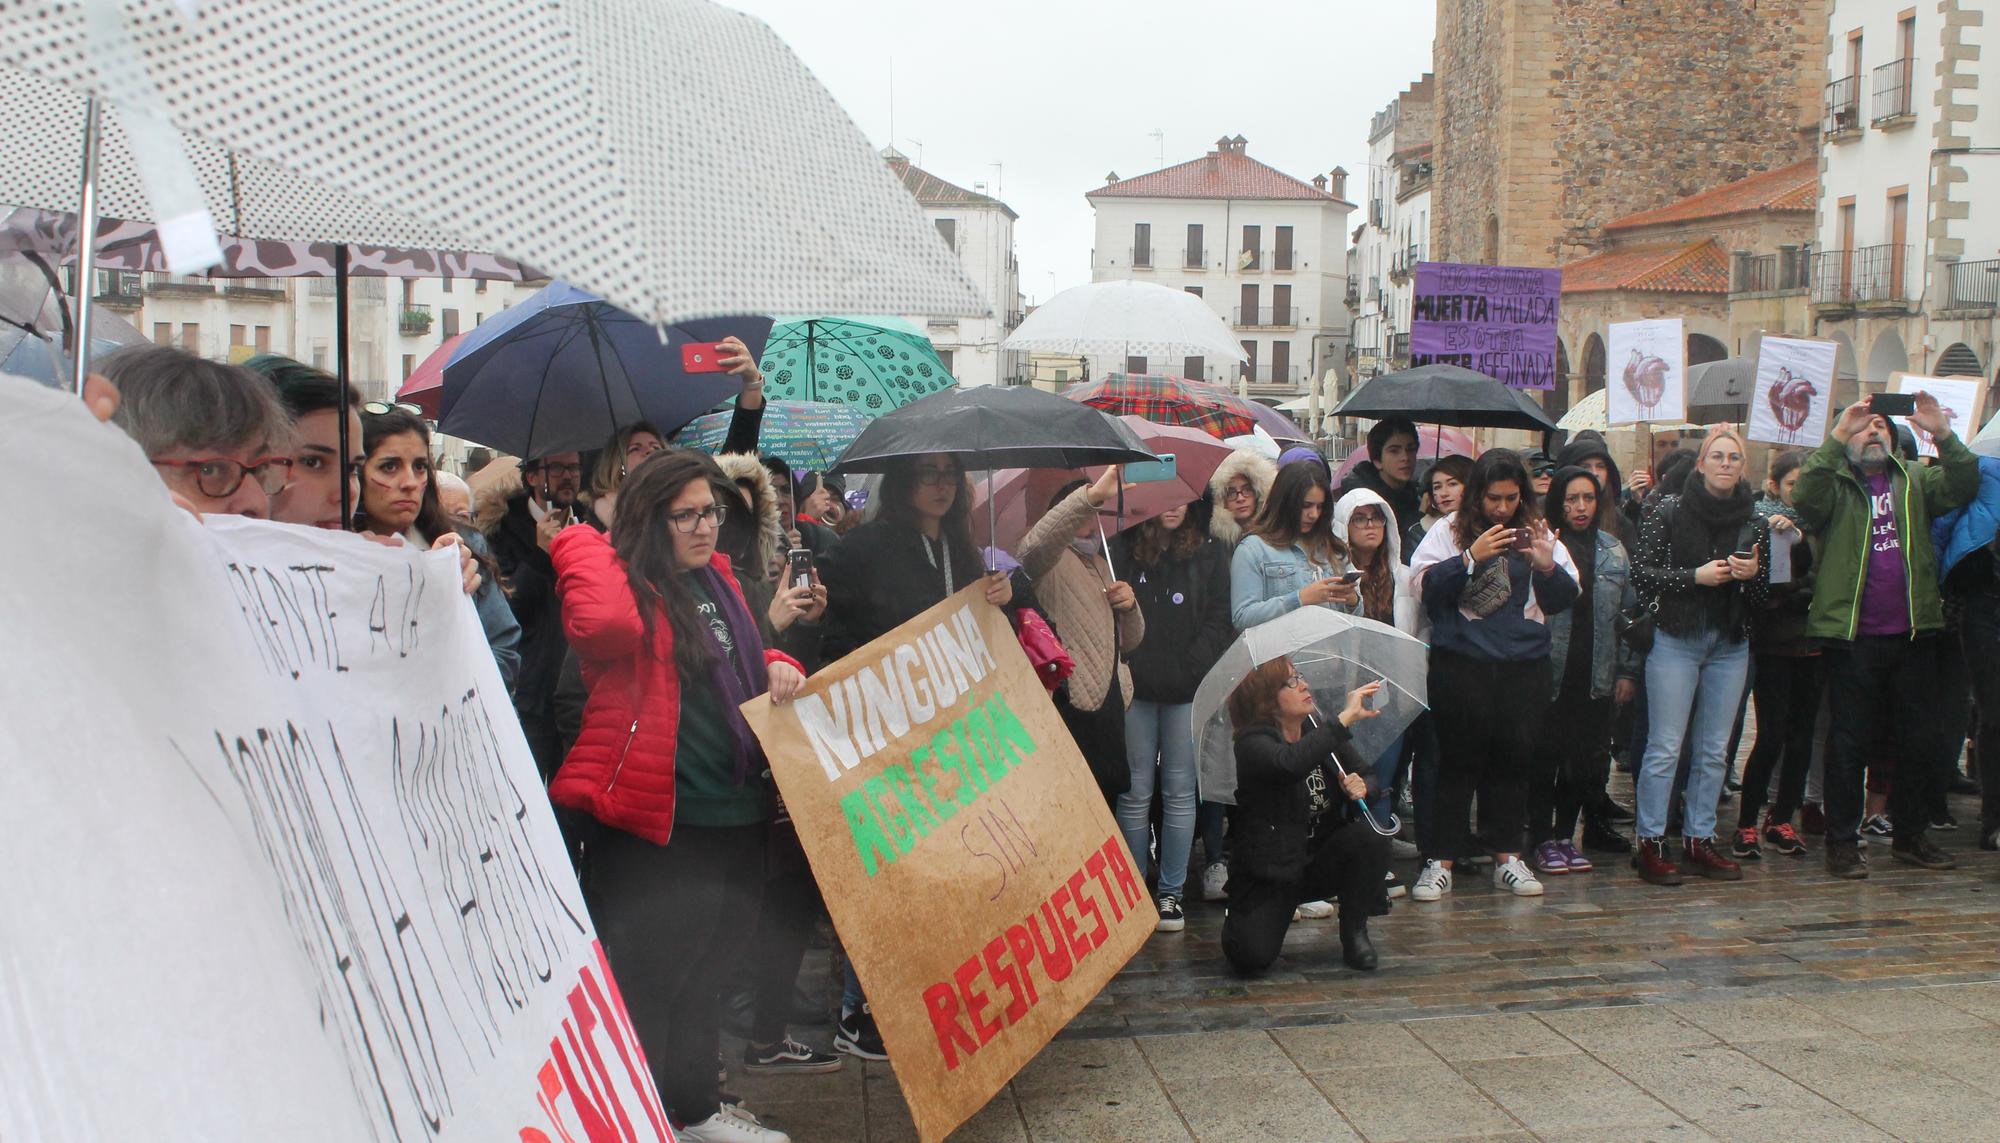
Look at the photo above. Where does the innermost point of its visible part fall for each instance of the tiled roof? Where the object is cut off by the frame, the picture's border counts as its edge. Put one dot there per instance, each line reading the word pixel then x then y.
pixel 1694 268
pixel 1789 189
pixel 1218 174
pixel 930 190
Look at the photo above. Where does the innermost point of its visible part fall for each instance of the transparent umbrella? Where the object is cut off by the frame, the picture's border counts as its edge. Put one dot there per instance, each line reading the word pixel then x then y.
pixel 1336 653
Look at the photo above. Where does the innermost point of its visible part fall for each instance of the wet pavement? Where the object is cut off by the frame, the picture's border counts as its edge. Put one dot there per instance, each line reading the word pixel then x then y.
pixel 1787 1004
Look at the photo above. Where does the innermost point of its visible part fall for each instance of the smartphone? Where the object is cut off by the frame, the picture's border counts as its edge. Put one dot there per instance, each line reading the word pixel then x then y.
pixel 702 357
pixel 1524 539
pixel 1349 577
pixel 1380 698
pixel 1893 404
pixel 1742 555
pixel 799 567
pixel 1152 471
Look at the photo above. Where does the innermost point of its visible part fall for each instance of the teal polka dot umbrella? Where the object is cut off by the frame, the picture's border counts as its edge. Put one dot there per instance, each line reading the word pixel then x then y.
pixel 872 363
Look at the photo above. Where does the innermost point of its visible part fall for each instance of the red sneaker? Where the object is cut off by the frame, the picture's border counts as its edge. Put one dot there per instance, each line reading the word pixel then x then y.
pixel 1746 845
pixel 1784 839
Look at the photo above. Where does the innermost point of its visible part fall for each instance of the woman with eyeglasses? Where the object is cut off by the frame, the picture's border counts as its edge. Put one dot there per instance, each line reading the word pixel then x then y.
pixel 399 498
pixel 626 449
pixel 915 552
pixel 1297 838
pixel 1238 488
pixel 667 766
pixel 1700 567
pixel 215 433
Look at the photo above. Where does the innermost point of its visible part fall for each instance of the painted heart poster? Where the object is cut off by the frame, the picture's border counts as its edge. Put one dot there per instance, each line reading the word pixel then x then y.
pixel 1648 360
pixel 1958 396
pixel 1794 390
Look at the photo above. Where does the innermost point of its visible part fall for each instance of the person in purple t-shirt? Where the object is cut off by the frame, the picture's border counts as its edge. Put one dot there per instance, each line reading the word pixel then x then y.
pixel 1876 615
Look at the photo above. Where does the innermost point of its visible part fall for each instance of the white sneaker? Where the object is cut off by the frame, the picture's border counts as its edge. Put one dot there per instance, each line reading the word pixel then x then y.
pixel 730 1125
pixel 1402 850
pixel 1432 883
pixel 1313 911
pixel 1215 882
pixel 1515 877
pixel 1396 888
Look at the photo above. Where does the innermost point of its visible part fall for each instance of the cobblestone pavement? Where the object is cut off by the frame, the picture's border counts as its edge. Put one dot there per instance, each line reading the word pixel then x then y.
pixel 1782 1005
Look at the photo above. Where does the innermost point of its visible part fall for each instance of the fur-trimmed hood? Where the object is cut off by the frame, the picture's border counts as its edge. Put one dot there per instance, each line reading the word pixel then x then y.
pixel 492 487
pixel 742 468
pixel 1261 471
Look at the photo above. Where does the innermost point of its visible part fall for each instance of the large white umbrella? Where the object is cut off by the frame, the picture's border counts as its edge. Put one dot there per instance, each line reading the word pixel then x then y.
pixel 672 156
pixel 1594 412
pixel 1124 319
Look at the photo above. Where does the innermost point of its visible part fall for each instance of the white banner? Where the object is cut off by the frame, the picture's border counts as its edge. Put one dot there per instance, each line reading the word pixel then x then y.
pixel 1794 388
pixel 278 863
pixel 1959 397
pixel 1651 357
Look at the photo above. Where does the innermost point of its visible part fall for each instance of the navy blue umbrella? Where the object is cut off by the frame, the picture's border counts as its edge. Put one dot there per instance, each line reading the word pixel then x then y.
pixel 564 370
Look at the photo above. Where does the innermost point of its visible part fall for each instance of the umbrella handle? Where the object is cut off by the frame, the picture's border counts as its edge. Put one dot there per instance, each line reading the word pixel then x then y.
pixel 1395 824
pixel 1106 545
pixel 992 528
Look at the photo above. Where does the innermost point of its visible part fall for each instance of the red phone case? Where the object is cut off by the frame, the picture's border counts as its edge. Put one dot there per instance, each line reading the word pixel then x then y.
pixel 701 357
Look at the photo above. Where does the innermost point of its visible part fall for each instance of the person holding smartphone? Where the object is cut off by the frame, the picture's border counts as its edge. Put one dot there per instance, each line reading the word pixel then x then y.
pixel 1290 557
pixel 1701 568
pixel 1488 601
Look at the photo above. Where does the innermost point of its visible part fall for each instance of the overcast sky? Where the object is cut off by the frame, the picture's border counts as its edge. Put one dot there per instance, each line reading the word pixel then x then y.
pixel 1059 92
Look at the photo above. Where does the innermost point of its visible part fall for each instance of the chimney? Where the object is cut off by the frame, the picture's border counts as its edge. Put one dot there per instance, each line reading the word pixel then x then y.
pixel 1339 190
pixel 1111 180
pixel 1238 143
pixel 1319 183
pixel 1222 144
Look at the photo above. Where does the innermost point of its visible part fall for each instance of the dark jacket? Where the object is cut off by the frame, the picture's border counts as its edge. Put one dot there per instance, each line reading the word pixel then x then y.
pixel 1186 606
pixel 531 581
pixel 1779 626
pixel 1685 530
pixel 879 577
pixel 1406 502
pixel 1272 827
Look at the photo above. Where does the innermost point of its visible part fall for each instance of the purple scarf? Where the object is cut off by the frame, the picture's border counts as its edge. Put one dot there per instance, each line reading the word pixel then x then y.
pixel 742 679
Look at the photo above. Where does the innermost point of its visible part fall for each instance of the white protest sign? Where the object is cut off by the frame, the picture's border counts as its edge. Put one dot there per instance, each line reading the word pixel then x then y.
pixel 279 863
pixel 1958 396
pixel 1651 357
pixel 1794 388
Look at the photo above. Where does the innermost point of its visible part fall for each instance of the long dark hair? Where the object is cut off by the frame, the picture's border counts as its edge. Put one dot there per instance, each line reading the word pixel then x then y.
pixel 895 499
pixel 1150 541
pixel 644 541
pixel 1494 466
pixel 1378 575
pixel 1552 502
pixel 432 521
pixel 1277 521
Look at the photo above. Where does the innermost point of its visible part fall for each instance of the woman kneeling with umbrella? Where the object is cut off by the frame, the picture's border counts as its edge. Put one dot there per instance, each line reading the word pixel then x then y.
pixel 1295 838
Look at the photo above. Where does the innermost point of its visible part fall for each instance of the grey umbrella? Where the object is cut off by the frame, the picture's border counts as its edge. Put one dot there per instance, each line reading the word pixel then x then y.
pixel 1720 390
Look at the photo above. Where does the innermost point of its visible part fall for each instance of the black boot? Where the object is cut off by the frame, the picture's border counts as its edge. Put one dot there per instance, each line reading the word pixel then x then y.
pixel 1357 950
pixel 1598 834
pixel 1609 809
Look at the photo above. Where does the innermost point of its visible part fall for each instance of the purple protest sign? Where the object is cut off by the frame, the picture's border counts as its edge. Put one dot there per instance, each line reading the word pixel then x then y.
pixel 1496 320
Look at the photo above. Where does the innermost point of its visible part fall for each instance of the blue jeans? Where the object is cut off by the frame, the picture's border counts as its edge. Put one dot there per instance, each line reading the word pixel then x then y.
pixel 1158 740
pixel 1704 674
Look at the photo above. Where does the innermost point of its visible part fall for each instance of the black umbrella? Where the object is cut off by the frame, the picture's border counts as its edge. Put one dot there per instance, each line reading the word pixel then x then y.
pixel 989 427
pixel 1446 395
pixel 1720 390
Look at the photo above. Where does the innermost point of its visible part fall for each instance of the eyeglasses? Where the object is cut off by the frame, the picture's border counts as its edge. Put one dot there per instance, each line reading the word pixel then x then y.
pixel 1370 520
pixel 1297 682
pixel 218 477
pixel 688 519
pixel 377 408
pixel 554 469
pixel 1238 494
pixel 936 477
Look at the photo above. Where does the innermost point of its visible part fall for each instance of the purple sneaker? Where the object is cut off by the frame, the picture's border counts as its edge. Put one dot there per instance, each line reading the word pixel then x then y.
pixel 1578 863
pixel 1550 858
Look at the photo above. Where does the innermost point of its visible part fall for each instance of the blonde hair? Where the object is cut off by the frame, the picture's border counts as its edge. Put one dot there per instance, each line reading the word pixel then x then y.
pixel 1717 432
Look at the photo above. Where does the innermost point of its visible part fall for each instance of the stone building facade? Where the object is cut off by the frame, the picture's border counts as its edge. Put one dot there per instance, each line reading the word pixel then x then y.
pixel 1555 117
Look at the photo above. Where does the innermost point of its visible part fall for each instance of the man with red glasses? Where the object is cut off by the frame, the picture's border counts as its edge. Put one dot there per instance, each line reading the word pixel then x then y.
pixel 216 434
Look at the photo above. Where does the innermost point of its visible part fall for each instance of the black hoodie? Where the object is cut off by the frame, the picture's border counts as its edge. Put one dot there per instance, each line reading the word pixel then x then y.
pixel 1589 444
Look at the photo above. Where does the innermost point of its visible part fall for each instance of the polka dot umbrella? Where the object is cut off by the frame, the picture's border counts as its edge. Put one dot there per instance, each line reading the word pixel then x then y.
pixel 875 364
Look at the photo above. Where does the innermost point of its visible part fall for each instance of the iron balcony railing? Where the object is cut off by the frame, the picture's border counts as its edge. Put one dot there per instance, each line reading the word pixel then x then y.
pixel 1789 269
pixel 1260 316
pixel 1194 258
pixel 1399 346
pixel 1892 90
pixel 1868 274
pixel 1971 284
pixel 1141 257
pixel 1842 106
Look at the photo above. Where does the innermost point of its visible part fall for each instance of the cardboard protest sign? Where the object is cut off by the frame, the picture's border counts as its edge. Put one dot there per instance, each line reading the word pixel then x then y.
pixel 1652 359
pixel 978 881
pixel 283 867
pixel 1794 389
pixel 1496 320
pixel 1958 396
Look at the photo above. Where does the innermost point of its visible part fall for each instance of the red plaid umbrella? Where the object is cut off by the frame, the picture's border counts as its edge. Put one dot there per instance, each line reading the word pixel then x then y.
pixel 1167 400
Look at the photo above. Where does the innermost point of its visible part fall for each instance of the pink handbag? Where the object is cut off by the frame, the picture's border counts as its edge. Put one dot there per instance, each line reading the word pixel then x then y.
pixel 1045 652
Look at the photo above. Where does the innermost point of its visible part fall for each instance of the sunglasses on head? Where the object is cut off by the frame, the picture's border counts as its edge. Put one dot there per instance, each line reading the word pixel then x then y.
pixel 377 408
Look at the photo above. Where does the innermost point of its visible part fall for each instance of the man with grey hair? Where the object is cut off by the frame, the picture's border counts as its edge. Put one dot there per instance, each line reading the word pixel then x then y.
pixel 457 498
pixel 216 434
pixel 1876 614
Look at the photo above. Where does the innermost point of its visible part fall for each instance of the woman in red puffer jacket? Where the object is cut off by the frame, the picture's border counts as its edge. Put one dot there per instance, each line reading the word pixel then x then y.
pixel 669 650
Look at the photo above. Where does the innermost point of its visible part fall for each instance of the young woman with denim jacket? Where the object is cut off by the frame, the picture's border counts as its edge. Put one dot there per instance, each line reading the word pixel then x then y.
pixel 1290 557
pixel 1590 669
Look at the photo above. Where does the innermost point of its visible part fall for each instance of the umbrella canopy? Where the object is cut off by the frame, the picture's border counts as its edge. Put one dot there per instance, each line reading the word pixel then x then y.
pixel 1445 395
pixel 1257 440
pixel 1336 653
pixel 1165 400
pixel 38 355
pixel 1020 493
pixel 804 434
pixel 873 363
pixel 1594 412
pixel 994 427
pixel 1729 381
pixel 1432 442
pixel 1987 443
pixel 1123 319
pixel 673 156
pixel 425 386
pixel 565 369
